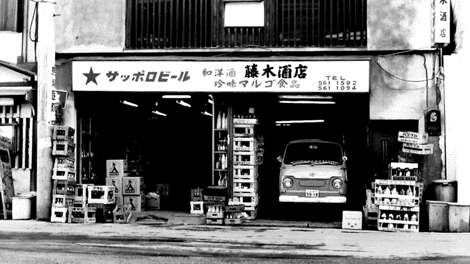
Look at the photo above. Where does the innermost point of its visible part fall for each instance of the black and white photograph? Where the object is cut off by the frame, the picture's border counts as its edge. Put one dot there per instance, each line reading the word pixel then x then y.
pixel 234 131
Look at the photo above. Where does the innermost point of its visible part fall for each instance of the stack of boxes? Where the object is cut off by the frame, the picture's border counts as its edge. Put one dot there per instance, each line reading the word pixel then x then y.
pixel 129 189
pixel 64 174
pixel 247 156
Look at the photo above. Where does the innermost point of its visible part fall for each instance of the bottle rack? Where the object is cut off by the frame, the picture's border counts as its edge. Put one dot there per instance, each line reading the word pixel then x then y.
pixel 221 146
pixel 399 205
pixel 88 157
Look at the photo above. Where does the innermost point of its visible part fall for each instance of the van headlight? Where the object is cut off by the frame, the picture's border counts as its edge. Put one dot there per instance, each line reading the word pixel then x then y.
pixel 287 182
pixel 337 183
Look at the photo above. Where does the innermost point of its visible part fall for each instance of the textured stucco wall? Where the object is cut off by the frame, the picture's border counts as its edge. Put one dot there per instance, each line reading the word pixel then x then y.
pixel 90 26
pixel 398 24
pixel 99 26
pixel 398 87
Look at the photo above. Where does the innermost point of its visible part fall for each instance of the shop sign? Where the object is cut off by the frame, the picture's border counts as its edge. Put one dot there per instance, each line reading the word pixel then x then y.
pixel 222 76
pixel 412 137
pixel 424 149
pixel 441 21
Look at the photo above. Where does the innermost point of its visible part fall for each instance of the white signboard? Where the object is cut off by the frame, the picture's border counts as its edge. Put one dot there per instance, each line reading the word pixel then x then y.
pixel 244 14
pixel 441 19
pixel 412 137
pixel 222 76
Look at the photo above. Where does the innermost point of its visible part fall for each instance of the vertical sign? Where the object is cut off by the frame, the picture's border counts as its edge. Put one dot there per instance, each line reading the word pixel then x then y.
pixel 441 21
pixel 6 183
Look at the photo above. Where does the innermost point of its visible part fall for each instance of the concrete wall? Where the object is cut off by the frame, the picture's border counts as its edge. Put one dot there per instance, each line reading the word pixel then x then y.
pixel 90 26
pixel 98 26
pixel 398 24
pixel 398 87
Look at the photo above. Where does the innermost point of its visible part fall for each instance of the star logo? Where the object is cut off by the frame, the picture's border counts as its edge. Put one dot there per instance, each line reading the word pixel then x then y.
pixel 91 76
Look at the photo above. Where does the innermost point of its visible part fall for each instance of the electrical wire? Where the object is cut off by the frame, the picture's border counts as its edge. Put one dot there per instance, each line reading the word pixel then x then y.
pixel 370 59
pixel 31 24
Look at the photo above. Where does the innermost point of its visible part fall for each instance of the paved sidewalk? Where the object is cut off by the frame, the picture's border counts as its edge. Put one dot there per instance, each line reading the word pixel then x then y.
pixel 267 239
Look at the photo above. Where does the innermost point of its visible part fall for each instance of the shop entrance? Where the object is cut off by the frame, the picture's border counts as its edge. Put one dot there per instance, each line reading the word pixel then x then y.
pixel 335 117
pixel 166 140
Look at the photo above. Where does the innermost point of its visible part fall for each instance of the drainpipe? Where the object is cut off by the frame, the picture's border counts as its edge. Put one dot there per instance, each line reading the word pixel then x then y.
pixel 45 61
pixel 441 105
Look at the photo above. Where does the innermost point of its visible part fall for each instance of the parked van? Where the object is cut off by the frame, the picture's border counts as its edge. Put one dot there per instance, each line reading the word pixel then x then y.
pixel 313 171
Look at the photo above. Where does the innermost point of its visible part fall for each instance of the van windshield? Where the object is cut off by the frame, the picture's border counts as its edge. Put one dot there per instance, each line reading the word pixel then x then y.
pixel 313 153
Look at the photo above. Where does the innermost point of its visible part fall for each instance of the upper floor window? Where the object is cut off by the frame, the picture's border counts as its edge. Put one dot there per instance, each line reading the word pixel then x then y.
pixel 159 24
pixel 11 15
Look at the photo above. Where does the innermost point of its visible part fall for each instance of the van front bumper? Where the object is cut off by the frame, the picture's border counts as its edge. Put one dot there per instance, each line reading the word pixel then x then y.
pixel 297 199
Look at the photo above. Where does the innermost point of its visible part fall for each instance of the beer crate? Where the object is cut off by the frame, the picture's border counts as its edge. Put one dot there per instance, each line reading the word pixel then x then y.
pixel 121 215
pixel 63 187
pixel 244 130
pixel 63 133
pixel 81 193
pixel 245 187
pixel 197 207
pixel 65 174
pixel 214 221
pixel 244 159
pixel 247 145
pixel 63 148
pixel 197 194
pixel 64 163
pixel 59 214
pixel 62 200
pixel 101 194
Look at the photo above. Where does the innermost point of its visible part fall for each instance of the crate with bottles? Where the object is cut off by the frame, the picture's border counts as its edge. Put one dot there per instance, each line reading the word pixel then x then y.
pixel 398 218
pixel 395 192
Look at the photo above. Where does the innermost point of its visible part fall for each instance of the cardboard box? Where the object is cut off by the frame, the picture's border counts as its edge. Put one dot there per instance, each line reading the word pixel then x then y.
pixel 116 168
pixel 101 194
pixel 133 202
pixel 352 220
pixel 63 133
pixel 131 185
pixel 116 182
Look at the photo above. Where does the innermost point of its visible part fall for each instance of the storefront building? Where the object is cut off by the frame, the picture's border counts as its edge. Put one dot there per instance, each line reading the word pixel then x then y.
pixel 18 84
pixel 162 84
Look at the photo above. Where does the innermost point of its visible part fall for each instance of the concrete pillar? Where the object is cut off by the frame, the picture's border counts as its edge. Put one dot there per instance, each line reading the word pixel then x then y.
pixel 457 96
pixel 45 60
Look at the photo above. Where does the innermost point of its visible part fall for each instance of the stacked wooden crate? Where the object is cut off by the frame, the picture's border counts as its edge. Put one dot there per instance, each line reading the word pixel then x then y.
pixel 247 156
pixel 64 174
